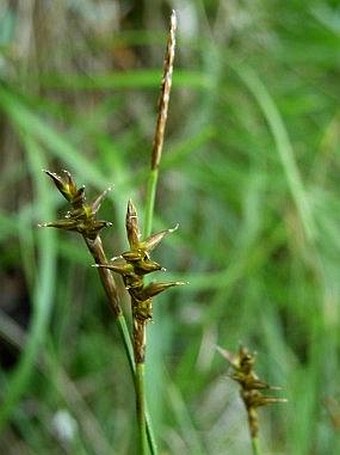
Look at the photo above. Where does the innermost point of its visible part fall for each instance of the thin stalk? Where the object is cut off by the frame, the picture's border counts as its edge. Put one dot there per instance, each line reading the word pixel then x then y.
pixel 139 343
pixel 124 331
pixel 156 155
pixel 256 446
pixel 140 406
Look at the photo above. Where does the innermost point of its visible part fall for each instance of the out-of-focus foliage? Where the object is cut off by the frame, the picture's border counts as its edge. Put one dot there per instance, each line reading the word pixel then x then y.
pixel 251 173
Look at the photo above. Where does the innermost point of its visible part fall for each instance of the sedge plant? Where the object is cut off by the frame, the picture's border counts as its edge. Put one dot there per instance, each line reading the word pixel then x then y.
pixel 132 265
pixel 136 263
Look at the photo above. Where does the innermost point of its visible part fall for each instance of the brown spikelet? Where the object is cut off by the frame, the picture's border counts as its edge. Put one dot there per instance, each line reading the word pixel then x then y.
pixel 164 97
pixel 133 265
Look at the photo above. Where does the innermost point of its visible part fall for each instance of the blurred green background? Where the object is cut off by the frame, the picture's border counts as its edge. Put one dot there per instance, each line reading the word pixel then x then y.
pixel 250 171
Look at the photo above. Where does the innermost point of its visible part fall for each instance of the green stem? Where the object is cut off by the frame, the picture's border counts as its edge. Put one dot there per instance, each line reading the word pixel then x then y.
pixel 124 332
pixel 156 155
pixel 149 210
pixel 140 406
pixel 256 446
pixel 150 201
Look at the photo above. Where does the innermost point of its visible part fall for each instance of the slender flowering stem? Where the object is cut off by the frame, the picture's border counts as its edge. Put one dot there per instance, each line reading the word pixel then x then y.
pixel 163 105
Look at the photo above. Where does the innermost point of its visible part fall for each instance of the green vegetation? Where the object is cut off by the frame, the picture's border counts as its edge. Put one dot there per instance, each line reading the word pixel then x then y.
pixel 250 171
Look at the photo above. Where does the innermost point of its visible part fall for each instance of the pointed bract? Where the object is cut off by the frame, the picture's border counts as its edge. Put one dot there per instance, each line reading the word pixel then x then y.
pixel 132 228
pixel 89 230
pixel 65 184
pixel 122 269
pixel 151 242
pixel 153 289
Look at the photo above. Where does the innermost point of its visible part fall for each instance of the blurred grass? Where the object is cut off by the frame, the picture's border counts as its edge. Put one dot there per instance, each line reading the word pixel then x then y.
pixel 250 172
